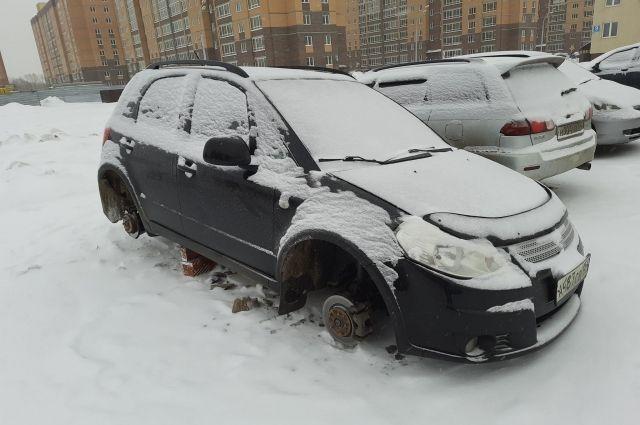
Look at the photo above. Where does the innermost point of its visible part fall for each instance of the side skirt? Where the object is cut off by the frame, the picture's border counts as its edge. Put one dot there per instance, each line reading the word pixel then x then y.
pixel 254 275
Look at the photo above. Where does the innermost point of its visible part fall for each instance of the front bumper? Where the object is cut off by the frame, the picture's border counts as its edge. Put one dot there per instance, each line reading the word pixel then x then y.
pixel 551 158
pixel 617 131
pixel 441 316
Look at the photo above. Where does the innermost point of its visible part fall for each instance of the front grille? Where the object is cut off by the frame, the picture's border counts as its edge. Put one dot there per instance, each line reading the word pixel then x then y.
pixel 570 129
pixel 503 344
pixel 545 247
pixel 631 131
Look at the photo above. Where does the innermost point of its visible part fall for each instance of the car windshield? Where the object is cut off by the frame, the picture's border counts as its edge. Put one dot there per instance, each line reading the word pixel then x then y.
pixel 576 73
pixel 339 119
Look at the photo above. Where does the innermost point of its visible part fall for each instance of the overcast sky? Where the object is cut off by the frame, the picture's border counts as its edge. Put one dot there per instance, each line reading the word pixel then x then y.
pixel 16 38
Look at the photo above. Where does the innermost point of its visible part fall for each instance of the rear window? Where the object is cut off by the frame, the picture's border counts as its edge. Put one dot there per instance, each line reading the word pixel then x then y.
pixel 543 92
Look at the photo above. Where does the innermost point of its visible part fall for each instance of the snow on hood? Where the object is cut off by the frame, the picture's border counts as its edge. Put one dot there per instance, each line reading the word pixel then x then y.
pixel 452 182
pixel 606 91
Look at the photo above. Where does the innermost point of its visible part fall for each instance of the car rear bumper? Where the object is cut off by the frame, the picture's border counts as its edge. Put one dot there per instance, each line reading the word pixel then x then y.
pixel 617 131
pixel 548 158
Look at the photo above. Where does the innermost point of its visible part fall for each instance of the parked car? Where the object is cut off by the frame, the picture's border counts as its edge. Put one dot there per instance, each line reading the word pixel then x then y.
pixel 616 115
pixel 305 180
pixel 621 65
pixel 518 111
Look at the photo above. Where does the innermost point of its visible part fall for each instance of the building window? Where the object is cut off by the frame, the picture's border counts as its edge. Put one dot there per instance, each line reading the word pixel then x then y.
pixel 308 40
pixel 253 4
pixel 310 61
pixel 325 19
pixel 329 60
pixel 610 29
pixel 228 49
pixel 261 61
pixel 258 43
pixel 327 39
pixel 255 22
pixel 306 19
pixel 243 47
pixel 612 2
pixel 223 10
pixel 240 28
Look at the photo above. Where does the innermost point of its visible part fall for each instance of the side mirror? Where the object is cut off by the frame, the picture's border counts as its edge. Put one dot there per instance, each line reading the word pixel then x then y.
pixel 229 151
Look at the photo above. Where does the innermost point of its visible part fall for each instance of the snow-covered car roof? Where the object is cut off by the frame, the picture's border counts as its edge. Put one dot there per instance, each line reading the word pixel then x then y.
pixel 412 70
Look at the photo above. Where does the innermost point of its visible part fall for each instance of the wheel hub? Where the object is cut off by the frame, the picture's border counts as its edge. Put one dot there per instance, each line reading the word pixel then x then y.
pixel 340 323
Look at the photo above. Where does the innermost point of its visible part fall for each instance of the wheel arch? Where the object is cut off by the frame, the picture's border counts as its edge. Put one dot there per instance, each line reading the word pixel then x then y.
pixel 111 199
pixel 292 254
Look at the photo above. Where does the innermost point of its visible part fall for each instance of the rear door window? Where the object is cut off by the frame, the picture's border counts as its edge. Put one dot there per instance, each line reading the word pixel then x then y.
pixel 161 103
pixel 219 109
pixel 618 61
pixel 405 92
pixel 462 86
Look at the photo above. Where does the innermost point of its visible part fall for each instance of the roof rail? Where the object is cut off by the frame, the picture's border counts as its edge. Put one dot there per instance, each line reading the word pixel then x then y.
pixel 427 62
pixel 227 66
pixel 317 69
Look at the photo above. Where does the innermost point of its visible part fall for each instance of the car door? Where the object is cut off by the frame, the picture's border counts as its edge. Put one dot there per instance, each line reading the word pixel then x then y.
pixel 221 208
pixel 618 67
pixel 150 151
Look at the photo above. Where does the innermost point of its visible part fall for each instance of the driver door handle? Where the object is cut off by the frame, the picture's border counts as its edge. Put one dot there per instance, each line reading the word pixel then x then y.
pixel 187 166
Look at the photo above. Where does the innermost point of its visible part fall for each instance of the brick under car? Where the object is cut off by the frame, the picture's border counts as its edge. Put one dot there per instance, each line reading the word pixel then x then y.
pixel 470 261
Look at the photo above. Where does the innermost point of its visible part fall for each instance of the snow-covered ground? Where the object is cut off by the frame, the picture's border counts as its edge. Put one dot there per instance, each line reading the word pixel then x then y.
pixel 98 328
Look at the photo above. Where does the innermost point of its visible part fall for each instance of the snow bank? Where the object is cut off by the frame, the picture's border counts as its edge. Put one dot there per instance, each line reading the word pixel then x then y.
pixel 52 102
pixel 514 306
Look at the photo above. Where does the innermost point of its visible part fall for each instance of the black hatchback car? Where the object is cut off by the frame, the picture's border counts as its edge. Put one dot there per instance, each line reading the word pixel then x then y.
pixel 306 180
pixel 621 65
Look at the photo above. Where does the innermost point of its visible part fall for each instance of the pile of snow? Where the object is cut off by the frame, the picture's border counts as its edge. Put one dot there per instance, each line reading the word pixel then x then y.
pixel 98 328
pixel 51 101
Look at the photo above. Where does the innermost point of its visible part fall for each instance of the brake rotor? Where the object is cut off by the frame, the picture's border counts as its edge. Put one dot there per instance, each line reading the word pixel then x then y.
pixel 346 322
pixel 131 224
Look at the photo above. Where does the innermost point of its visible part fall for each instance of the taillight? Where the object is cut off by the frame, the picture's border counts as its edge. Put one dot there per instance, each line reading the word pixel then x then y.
pixel 527 127
pixel 589 114
pixel 106 135
pixel 516 128
pixel 542 126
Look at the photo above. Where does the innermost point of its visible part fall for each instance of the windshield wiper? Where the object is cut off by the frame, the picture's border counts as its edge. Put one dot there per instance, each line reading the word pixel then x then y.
pixel 567 91
pixel 350 158
pixel 422 153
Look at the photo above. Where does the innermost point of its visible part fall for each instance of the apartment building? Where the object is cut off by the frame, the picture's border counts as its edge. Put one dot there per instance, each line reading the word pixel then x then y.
pixel 78 41
pixel 383 32
pixel 565 25
pixel 4 79
pixel 280 32
pixel 616 23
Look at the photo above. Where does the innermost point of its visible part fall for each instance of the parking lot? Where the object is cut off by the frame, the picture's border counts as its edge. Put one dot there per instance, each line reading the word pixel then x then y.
pixel 96 327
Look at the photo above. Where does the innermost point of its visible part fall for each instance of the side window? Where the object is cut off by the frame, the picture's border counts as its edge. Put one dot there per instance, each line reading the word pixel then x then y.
pixel 161 103
pixel 457 87
pixel 405 92
pixel 620 60
pixel 219 109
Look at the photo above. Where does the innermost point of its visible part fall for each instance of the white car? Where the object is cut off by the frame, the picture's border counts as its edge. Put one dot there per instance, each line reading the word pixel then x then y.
pixel 616 115
pixel 516 110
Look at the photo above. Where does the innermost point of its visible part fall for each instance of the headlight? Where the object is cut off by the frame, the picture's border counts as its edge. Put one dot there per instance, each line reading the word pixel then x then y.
pixel 430 246
pixel 605 107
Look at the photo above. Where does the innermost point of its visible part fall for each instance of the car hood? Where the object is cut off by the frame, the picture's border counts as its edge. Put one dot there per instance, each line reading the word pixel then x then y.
pixel 455 182
pixel 605 91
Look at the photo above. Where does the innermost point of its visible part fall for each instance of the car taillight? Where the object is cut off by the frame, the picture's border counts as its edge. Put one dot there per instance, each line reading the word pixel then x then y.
pixel 542 126
pixel 106 135
pixel 516 128
pixel 589 114
pixel 527 127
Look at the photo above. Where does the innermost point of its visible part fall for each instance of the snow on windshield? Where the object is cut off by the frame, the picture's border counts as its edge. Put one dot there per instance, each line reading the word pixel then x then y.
pixel 538 89
pixel 335 119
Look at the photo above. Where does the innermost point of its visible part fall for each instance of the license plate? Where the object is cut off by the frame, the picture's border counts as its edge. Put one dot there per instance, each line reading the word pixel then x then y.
pixel 570 129
pixel 568 283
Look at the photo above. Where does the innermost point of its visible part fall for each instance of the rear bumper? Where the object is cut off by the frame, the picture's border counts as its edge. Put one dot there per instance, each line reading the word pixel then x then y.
pixel 617 131
pixel 548 158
